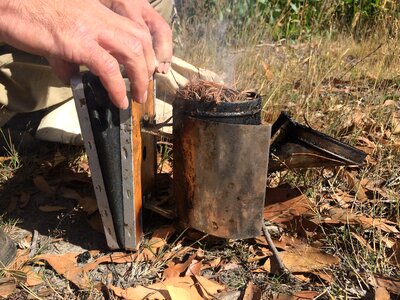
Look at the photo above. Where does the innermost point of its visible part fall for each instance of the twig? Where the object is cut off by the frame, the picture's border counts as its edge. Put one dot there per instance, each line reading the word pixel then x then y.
pixel 157 132
pixel 165 143
pixel 34 243
pixel 361 60
pixel 281 267
pixel 207 91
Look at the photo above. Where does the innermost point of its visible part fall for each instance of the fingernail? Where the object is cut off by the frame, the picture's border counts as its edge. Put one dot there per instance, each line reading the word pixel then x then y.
pixel 163 67
pixel 167 65
pixel 125 103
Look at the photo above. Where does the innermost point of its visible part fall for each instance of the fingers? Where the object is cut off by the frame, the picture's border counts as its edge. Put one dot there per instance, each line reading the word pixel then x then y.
pixel 138 38
pixel 139 63
pixel 163 67
pixel 64 70
pixel 139 79
pixel 161 35
pixel 106 67
pixel 133 28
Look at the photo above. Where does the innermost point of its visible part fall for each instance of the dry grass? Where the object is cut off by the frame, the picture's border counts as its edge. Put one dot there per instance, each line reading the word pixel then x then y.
pixel 11 162
pixel 343 87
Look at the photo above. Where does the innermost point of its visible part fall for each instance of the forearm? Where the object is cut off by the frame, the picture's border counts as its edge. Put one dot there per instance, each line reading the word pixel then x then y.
pixel 5 8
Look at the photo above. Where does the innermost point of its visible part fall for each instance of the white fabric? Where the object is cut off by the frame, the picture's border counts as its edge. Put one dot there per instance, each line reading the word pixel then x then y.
pixel 62 124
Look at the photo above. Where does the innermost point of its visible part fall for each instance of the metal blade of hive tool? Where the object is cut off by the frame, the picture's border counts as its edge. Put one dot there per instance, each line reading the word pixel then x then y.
pixel 107 134
pixel 91 149
pixel 131 209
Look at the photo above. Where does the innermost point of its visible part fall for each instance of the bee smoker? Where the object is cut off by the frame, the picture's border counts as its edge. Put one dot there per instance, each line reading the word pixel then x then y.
pixel 220 166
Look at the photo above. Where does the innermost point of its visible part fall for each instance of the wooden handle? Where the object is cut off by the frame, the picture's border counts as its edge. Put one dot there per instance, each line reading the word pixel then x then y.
pixel 144 155
pixel 149 159
pixel 137 162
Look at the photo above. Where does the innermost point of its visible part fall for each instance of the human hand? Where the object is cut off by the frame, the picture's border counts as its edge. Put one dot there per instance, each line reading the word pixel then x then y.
pixel 100 34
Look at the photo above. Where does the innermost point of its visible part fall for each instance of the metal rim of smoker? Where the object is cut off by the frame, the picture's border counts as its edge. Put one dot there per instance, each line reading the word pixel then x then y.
pixel 240 112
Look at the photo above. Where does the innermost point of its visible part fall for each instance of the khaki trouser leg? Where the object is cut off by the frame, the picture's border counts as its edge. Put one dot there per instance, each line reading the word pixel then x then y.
pixel 27 82
pixel 165 8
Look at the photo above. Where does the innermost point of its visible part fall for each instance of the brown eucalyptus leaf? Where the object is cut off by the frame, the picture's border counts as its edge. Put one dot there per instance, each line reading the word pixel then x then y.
pixel 284 203
pixel 24 199
pixel 381 293
pixel 42 185
pixel 303 259
pixel 176 269
pixel 7 286
pixel 252 292
pixel 396 122
pixel 51 208
pixel 198 287
pixel 391 284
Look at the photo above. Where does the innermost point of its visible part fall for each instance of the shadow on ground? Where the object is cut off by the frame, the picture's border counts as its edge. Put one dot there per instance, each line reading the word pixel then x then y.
pixel 59 166
pixel 17 185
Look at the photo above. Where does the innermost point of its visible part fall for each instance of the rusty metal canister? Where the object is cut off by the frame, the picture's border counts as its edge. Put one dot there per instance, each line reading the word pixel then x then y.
pixel 220 166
